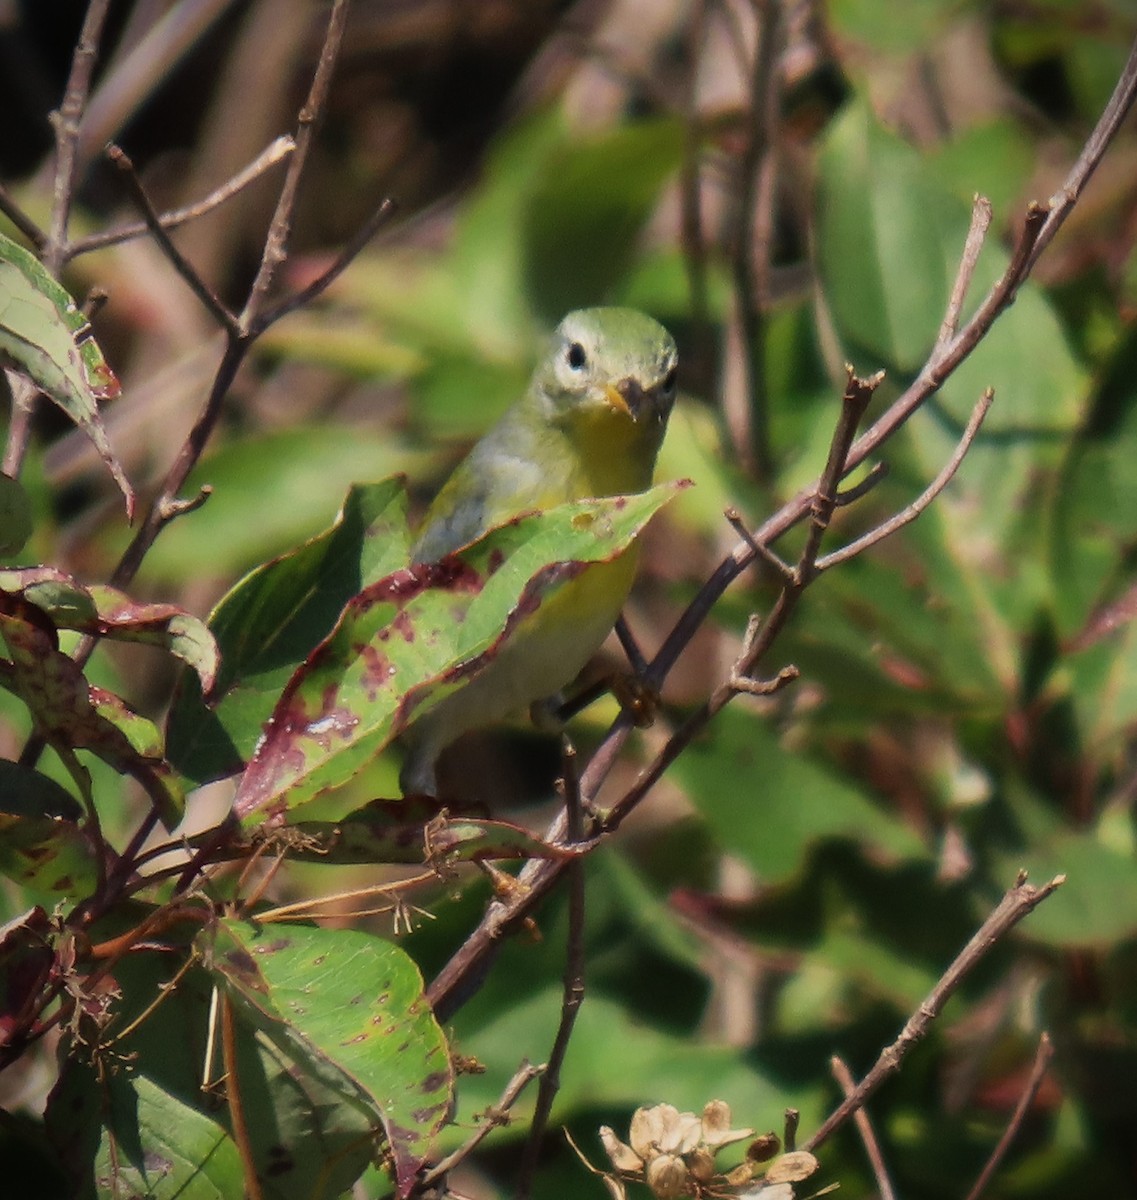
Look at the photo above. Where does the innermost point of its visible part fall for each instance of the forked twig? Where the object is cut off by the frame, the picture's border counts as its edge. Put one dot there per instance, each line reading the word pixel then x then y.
pixel 1021 899
pixel 909 513
pixel 491 1119
pixel 208 297
pixel 280 148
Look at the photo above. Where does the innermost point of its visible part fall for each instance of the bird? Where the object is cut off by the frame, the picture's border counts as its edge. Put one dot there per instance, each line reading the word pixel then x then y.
pixel 589 425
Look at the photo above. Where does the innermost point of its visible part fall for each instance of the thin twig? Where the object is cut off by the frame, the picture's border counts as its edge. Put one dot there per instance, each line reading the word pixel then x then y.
pixel 752 226
pixel 734 519
pixel 208 297
pixel 850 495
pixel 8 206
pixel 327 277
pixel 66 122
pixel 976 233
pixel 1042 1057
pixel 490 1120
pixel 280 228
pixel 1020 900
pixel 269 157
pixel 690 194
pixel 848 1085
pixel 631 647
pixel 907 515
pixel 573 996
pixel 238 343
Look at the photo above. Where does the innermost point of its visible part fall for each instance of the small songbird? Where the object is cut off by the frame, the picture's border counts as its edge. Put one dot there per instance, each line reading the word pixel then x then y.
pixel 589 425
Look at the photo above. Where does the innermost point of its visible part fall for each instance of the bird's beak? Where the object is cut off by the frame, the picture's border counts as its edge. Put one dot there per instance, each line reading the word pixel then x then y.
pixel 627 397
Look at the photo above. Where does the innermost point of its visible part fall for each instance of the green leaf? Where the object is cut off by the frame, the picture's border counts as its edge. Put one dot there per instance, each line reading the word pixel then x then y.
pixel 156 1146
pixel 406 640
pixel 582 218
pixel 616 1060
pixel 269 494
pixel 347 1009
pixel 45 336
pixel 791 803
pixel 102 611
pixel 1097 905
pixel 75 715
pixel 15 516
pixel 881 227
pixel 26 959
pixel 889 239
pixel 41 845
pixel 273 618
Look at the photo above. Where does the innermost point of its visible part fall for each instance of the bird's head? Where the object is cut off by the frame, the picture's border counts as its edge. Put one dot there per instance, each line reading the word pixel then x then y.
pixel 610 374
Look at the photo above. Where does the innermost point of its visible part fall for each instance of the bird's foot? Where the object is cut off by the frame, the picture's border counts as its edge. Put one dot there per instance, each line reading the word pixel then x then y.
pixel 637 698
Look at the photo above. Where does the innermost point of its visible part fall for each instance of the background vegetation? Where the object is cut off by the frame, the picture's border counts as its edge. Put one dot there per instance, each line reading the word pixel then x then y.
pixel 798 881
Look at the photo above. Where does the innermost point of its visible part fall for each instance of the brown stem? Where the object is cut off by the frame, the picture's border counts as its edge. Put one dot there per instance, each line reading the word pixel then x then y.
pixel 864 1127
pixel 1042 1057
pixel 1021 899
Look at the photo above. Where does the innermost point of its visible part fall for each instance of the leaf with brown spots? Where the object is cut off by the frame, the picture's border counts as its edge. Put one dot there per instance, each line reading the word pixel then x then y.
pixel 348 1010
pixel 272 619
pixel 405 642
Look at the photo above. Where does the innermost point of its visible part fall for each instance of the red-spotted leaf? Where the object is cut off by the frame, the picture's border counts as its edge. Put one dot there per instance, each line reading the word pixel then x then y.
pixel 103 611
pixel 45 336
pixel 405 641
pixel 411 831
pixel 348 1010
pixel 269 623
pixel 74 715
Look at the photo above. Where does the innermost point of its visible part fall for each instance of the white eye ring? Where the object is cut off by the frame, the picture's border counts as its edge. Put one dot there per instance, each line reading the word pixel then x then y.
pixel 576 357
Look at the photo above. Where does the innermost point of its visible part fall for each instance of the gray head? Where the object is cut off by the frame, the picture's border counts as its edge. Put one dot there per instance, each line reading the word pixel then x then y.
pixel 611 366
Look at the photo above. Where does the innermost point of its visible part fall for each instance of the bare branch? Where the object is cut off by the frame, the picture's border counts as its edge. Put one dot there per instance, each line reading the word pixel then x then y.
pixel 490 1120
pixel 573 995
pixel 631 647
pixel 280 229
pixel 326 278
pixel 21 220
pixel 269 157
pixel 1021 899
pixel 540 877
pixel 66 121
pixel 976 233
pixel 851 495
pixel 864 1127
pixel 734 519
pixel 201 289
pixel 1042 1057
pixel 747 413
pixel 907 515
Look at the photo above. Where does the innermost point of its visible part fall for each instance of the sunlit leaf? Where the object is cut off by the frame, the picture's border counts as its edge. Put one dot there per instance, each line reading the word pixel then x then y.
pixel 45 336
pixel 347 1009
pixel 271 620
pixel 102 611
pixel 405 641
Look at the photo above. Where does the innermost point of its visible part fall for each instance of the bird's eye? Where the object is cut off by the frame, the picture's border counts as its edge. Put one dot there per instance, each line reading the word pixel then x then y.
pixel 576 356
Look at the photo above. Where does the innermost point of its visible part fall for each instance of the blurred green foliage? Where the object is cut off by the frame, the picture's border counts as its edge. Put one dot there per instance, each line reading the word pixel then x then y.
pixel 968 689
